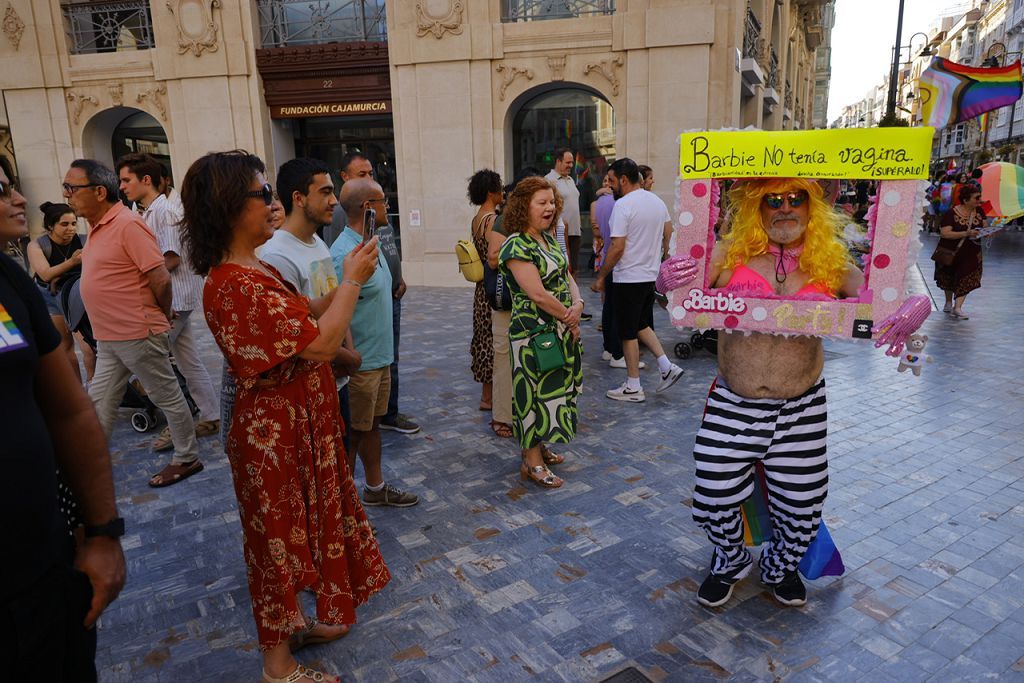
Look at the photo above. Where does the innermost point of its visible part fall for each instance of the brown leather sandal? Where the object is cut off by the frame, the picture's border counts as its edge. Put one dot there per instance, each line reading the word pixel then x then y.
pixel 551 458
pixel 540 475
pixel 502 429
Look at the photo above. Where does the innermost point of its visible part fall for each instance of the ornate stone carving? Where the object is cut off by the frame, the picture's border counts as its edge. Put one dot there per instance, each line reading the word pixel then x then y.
pixel 77 102
pixel 116 91
pixel 155 95
pixel 509 74
pixel 14 27
pixel 557 66
pixel 451 22
pixel 197 30
pixel 607 68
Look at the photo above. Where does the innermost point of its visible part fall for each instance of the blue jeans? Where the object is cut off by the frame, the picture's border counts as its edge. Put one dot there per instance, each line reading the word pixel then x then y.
pixel 396 317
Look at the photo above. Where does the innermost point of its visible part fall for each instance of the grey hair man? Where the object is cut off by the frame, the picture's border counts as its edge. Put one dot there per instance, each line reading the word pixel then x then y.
pixel 126 289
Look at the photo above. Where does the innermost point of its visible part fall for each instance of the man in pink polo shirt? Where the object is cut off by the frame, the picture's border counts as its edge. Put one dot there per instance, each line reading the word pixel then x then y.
pixel 127 293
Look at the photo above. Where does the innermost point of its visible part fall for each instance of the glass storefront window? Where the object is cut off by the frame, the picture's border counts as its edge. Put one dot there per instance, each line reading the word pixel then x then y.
pixel 141 133
pixel 568 117
pixel 330 138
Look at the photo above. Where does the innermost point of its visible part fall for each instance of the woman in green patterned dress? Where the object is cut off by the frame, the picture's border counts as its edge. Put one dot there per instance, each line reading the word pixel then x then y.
pixel 543 292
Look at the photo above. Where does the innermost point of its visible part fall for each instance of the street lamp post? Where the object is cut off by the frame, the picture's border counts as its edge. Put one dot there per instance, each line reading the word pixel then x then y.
pixel 890 109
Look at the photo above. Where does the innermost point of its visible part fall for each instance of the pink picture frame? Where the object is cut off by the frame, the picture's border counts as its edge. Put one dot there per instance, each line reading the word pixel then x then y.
pixel 893 234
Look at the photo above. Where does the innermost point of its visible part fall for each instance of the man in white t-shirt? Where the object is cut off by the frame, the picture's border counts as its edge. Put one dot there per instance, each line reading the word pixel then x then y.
pixel 307 194
pixel 640 229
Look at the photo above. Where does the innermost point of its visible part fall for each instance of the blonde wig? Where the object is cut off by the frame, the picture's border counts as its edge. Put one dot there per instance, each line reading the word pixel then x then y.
pixel 825 258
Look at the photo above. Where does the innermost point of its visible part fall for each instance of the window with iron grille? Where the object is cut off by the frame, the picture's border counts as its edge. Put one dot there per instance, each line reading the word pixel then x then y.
pixel 108 26
pixel 313 22
pixel 534 10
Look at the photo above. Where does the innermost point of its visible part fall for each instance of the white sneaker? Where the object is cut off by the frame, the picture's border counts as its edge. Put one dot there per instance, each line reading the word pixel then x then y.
pixel 624 393
pixel 621 363
pixel 670 378
pixel 605 355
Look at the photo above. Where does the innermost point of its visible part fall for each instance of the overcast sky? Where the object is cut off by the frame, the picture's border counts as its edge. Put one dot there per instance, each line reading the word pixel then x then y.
pixel 862 41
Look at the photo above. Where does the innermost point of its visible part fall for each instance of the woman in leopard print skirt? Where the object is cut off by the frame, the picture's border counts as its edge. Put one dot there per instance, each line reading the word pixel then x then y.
pixel 484 192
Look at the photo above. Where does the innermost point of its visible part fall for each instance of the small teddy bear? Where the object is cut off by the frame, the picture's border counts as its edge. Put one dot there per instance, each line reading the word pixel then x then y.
pixel 913 357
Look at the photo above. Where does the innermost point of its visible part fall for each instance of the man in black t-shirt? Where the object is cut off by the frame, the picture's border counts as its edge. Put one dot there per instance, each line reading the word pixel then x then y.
pixel 48 605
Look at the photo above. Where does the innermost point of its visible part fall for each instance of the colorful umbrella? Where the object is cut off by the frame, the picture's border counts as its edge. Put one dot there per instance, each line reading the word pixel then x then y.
pixel 1002 189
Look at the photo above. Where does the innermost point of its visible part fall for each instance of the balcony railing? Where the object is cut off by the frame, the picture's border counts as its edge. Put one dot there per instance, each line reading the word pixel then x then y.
pixel 773 70
pixel 314 22
pixel 534 10
pixel 108 26
pixel 752 43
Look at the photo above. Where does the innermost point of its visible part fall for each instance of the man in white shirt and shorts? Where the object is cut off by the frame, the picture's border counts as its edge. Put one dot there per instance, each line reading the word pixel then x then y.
pixel 640 229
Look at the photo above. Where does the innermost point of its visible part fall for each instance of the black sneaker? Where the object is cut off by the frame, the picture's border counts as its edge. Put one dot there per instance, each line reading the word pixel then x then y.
pixel 586 316
pixel 790 591
pixel 715 591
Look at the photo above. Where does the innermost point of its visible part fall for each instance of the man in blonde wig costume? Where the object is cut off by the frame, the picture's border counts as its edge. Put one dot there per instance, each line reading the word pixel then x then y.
pixel 768 401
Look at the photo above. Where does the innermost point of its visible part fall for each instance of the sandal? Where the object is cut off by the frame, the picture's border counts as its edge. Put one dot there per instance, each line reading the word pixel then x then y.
pixel 172 474
pixel 551 458
pixel 300 673
pixel 304 637
pixel 502 429
pixel 485 407
pixel 540 475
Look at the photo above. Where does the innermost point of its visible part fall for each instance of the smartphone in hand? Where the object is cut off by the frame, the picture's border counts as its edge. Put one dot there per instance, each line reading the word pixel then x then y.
pixel 369 224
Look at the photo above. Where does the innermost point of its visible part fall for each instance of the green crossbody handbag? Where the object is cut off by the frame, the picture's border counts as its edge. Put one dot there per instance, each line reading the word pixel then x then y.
pixel 547 348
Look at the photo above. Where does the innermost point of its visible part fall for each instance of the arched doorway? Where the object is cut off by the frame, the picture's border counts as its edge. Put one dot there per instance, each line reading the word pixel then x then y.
pixel 568 116
pixel 112 133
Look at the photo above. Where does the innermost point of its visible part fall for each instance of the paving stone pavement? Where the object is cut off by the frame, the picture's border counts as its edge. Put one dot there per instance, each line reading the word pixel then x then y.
pixel 497 581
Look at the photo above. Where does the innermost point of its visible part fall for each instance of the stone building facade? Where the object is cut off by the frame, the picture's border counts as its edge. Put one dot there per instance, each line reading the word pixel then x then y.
pixel 431 90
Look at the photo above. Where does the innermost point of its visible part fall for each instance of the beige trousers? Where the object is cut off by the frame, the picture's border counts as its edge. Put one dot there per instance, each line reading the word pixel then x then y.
pixel 501 393
pixel 148 359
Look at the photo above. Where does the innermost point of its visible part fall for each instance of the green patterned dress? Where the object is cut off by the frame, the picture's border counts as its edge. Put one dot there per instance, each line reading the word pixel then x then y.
pixel 544 404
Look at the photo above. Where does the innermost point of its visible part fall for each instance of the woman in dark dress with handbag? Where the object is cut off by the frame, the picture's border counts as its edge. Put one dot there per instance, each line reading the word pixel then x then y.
pixel 958 232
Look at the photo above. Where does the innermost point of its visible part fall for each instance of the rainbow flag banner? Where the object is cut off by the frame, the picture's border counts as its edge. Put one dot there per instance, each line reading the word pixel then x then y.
pixel 757 520
pixel 1002 189
pixel 951 92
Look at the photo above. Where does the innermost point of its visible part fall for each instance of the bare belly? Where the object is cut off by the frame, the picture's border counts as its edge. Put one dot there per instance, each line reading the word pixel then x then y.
pixel 768 365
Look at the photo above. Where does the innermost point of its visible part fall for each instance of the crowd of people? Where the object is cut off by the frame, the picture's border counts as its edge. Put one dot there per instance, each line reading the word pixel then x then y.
pixel 301 287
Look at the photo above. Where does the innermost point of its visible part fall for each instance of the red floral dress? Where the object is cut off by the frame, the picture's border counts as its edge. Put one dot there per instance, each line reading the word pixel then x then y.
pixel 303 524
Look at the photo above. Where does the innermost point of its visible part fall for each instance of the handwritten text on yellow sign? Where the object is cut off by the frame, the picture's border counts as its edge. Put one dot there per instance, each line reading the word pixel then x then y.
pixel 880 153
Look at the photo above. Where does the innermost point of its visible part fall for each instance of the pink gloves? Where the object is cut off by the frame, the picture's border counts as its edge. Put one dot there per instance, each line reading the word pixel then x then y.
pixel 676 272
pixel 895 329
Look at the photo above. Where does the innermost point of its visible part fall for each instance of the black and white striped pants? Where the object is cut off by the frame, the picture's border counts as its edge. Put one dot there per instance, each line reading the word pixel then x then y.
pixel 788 436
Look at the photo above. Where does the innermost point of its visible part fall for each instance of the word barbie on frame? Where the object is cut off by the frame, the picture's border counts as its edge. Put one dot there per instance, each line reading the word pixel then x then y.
pixel 862 192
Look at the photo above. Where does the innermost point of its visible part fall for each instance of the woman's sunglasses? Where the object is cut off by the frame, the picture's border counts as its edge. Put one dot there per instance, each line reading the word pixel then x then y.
pixel 775 200
pixel 266 194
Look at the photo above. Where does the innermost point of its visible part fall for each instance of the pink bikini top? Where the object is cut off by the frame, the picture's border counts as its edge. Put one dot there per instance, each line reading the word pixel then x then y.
pixel 746 279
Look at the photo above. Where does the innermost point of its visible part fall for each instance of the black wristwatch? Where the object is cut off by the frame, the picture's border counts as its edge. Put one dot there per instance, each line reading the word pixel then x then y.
pixel 113 529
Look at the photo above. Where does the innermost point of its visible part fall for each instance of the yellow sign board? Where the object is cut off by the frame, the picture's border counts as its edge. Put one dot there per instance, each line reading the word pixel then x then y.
pixel 855 153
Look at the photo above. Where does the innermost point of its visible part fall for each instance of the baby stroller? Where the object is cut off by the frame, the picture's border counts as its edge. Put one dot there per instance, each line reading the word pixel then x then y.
pixel 143 409
pixel 707 339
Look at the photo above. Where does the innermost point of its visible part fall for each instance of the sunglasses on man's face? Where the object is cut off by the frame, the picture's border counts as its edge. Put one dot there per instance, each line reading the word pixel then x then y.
pixel 775 200
pixel 7 189
pixel 266 194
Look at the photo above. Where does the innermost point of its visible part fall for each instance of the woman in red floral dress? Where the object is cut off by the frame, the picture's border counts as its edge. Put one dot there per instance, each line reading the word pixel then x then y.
pixel 303 524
